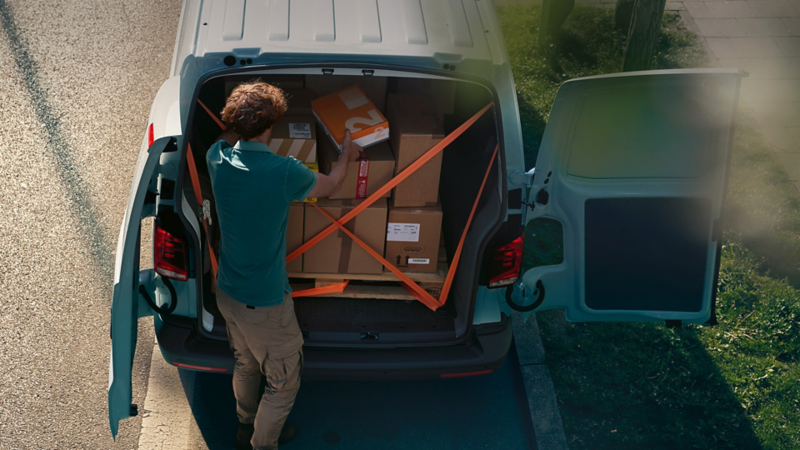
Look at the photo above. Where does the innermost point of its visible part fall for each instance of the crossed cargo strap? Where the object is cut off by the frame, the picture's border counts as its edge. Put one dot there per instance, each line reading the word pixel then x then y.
pixel 410 285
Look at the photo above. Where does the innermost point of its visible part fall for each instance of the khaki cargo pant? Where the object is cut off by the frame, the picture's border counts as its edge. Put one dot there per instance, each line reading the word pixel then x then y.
pixel 265 340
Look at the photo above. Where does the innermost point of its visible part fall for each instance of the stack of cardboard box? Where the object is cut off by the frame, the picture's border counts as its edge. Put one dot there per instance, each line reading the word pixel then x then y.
pixel 405 228
pixel 296 135
pixel 415 217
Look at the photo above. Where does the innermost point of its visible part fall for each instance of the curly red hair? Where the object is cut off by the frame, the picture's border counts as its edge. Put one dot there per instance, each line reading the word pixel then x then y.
pixel 253 108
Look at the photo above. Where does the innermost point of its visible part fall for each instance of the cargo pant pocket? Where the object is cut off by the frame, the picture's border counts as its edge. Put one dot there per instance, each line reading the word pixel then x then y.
pixel 287 310
pixel 258 314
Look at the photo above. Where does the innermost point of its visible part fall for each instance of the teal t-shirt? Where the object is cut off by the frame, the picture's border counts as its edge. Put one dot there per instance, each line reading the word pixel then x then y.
pixel 253 189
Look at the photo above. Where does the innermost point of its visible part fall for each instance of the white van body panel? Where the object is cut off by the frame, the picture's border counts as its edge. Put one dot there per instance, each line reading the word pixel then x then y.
pixel 458 37
pixel 452 31
pixel 165 114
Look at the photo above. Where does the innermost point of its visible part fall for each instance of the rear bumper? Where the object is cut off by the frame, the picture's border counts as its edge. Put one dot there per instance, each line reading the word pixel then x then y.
pixel 485 351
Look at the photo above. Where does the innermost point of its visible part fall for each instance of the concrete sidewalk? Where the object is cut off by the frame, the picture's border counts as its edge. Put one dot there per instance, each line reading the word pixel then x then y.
pixel 761 37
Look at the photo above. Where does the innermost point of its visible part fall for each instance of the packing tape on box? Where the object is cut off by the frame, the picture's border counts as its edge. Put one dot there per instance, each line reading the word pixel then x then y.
pixel 363 176
pixel 314 167
pixel 304 150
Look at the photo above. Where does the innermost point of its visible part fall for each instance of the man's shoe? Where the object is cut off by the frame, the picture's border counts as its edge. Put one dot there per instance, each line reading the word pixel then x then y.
pixel 243 437
pixel 288 433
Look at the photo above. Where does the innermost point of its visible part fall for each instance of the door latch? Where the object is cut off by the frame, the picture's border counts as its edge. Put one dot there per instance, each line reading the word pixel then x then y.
pixel 516 293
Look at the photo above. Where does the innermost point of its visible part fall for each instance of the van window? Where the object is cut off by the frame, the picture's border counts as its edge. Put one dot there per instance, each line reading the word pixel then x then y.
pixel 625 135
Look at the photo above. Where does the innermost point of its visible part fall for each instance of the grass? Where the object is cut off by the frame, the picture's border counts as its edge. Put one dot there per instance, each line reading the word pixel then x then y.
pixel 589 45
pixel 634 386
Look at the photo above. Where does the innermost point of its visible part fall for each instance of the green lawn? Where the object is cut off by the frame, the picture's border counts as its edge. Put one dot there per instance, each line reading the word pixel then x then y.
pixel 643 386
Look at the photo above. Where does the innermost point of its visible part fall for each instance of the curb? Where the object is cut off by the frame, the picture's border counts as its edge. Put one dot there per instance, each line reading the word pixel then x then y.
pixel 542 404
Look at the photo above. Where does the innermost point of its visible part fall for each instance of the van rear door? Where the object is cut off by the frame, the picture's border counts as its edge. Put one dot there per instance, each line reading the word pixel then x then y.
pixel 634 166
pixel 127 305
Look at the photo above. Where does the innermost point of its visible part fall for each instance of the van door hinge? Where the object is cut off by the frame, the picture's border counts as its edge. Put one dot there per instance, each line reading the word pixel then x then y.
pixel 519 177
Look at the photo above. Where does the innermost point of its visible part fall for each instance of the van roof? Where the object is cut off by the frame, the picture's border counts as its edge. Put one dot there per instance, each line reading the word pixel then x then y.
pixel 447 30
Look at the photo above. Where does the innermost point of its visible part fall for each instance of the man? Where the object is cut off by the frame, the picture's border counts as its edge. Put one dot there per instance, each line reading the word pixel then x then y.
pixel 253 189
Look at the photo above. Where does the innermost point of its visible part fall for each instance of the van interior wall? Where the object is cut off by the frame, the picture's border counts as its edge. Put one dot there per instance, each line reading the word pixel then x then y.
pixel 463 167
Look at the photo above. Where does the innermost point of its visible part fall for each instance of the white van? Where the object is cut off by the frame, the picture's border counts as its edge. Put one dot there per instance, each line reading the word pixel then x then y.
pixel 632 165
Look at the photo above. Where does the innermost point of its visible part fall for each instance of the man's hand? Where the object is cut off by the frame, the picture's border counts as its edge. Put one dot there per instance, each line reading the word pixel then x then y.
pixel 328 184
pixel 350 150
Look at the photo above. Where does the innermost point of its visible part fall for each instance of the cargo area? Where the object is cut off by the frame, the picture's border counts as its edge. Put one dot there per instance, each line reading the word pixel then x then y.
pixel 416 226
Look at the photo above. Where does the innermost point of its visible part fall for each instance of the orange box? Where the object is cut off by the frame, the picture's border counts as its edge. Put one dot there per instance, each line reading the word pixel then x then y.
pixel 350 109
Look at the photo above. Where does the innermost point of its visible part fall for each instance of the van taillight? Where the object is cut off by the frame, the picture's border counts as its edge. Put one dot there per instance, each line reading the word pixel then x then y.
pixel 151 137
pixel 169 254
pixel 507 263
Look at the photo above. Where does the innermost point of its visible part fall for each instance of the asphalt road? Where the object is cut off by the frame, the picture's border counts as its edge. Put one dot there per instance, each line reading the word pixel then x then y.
pixel 485 412
pixel 77 79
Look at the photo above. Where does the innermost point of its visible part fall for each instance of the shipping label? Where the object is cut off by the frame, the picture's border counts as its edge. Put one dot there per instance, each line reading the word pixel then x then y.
pixel 300 130
pixel 402 232
pixel 419 260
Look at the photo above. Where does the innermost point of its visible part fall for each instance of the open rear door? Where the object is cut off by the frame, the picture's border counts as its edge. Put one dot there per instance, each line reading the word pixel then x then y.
pixel 127 305
pixel 634 166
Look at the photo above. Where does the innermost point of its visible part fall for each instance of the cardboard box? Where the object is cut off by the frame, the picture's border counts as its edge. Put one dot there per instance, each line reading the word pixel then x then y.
pixel 299 101
pixel 416 127
pixel 363 177
pixel 295 136
pixel 442 92
pixel 350 109
pixel 375 87
pixel 337 253
pixel 412 238
pixel 294 235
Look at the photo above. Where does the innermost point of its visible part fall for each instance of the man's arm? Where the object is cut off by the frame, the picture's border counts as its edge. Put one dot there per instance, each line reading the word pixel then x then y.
pixel 328 184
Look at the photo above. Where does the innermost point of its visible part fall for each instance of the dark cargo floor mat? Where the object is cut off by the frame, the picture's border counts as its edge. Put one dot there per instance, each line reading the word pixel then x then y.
pixel 357 315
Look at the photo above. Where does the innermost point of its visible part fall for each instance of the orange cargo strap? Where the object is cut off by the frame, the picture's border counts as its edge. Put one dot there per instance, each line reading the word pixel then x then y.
pixel 198 194
pixel 427 156
pixel 412 287
pixel 213 116
pixel 330 289
pixel 424 297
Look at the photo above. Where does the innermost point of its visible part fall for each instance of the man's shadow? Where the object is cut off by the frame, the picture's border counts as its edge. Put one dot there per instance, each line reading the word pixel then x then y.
pixel 488 411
